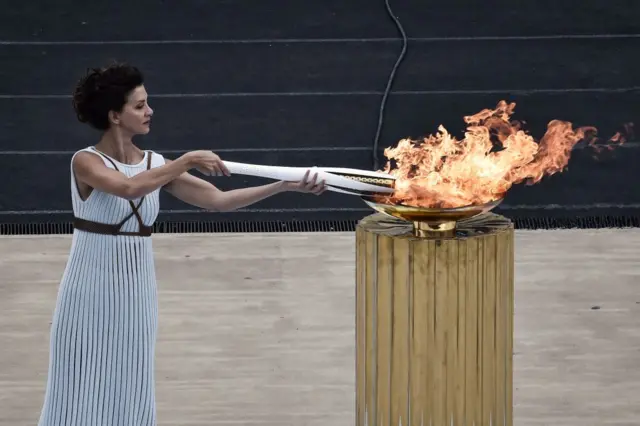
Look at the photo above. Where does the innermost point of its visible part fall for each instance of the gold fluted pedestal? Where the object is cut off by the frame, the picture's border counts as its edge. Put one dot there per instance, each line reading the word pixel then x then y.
pixel 434 324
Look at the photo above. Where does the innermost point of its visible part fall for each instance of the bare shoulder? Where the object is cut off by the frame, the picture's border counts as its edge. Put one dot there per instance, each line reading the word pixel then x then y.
pixel 85 160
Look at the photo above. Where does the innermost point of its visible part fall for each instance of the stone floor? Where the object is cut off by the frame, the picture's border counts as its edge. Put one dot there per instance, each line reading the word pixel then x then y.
pixel 258 329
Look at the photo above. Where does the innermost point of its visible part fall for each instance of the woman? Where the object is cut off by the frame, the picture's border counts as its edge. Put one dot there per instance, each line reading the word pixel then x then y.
pixel 101 364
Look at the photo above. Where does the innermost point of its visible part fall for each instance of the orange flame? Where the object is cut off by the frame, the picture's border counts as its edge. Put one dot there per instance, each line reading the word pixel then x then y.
pixel 443 172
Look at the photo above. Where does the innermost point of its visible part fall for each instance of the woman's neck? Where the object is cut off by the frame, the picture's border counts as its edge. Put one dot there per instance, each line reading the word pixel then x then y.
pixel 119 148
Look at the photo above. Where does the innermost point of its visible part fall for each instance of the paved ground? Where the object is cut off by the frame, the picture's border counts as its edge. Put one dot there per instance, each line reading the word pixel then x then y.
pixel 258 329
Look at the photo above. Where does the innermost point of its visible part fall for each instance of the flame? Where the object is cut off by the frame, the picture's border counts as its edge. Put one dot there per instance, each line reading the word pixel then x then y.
pixel 443 172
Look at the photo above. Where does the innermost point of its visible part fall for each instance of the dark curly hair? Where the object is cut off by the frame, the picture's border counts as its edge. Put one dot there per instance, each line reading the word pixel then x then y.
pixel 103 90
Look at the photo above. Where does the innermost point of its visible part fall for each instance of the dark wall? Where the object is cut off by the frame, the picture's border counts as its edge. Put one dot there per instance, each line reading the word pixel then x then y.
pixel 287 82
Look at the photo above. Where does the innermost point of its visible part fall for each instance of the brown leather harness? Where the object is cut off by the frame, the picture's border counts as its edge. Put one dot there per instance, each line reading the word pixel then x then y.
pixel 110 229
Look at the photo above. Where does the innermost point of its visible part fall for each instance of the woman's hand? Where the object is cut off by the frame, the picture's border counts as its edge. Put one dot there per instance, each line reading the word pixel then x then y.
pixel 307 185
pixel 207 163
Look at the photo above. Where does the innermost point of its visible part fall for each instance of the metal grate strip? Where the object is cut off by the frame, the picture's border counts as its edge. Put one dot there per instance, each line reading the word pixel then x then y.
pixel 186 227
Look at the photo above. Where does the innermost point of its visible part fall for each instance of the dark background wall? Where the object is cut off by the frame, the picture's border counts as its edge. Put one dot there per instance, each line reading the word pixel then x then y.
pixel 288 82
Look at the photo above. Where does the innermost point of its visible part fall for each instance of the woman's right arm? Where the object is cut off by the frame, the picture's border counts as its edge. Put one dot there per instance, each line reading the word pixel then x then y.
pixel 91 170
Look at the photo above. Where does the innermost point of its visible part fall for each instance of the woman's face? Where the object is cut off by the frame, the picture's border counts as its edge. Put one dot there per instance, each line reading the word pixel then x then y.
pixel 135 117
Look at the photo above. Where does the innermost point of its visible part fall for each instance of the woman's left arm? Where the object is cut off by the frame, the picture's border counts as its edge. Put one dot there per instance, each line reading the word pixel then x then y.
pixel 200 193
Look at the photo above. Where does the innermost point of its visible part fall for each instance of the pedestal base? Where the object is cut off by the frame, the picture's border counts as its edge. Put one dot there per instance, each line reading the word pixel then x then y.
pixel 434 324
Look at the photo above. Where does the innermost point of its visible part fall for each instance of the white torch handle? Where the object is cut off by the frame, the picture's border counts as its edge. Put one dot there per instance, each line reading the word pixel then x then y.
pixel 291 174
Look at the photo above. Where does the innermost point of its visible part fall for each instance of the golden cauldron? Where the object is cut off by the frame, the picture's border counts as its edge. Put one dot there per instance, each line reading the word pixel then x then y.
pixel 427 221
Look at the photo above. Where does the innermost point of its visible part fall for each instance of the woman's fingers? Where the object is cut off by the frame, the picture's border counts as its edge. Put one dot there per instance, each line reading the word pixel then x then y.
pixel 214 169
pixel 217 170
pixel 222 168
pixel 322 188
pixel 311 183
pixel 303 182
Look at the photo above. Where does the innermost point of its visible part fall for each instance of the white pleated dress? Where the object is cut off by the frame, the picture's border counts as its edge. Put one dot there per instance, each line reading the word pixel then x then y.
pixel 101 362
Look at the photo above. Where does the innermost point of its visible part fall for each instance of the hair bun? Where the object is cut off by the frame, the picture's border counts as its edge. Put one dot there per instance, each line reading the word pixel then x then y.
pixel 85 90
pixel 102 90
